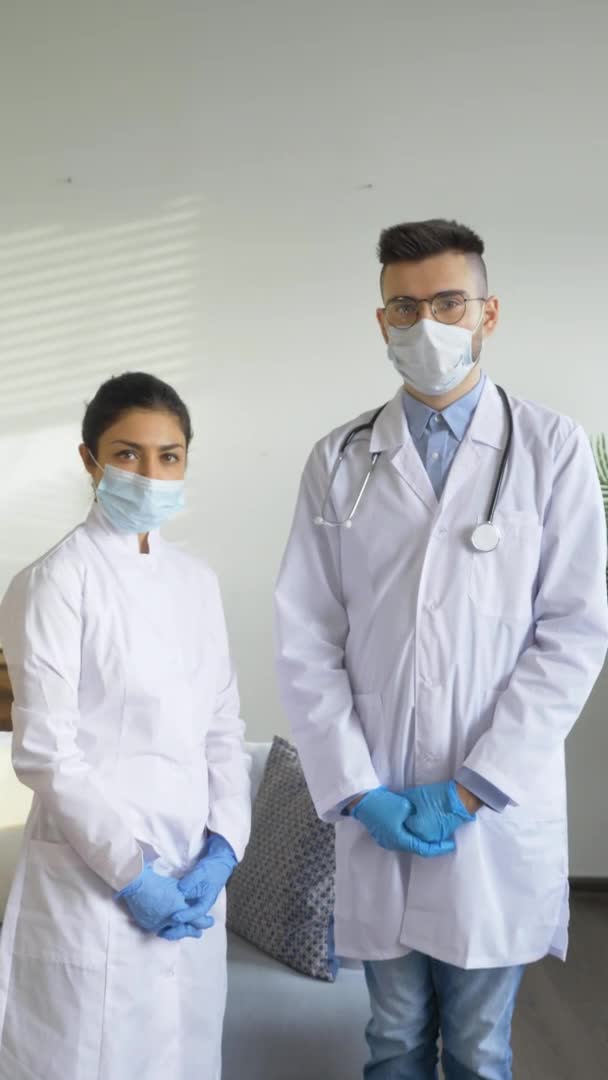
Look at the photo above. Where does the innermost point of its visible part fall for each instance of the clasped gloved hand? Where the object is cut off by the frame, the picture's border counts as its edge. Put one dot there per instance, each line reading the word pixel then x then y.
pixel 204 883
pixel 385 814
pixel 176 933
pixel 437 811
pixel 153 900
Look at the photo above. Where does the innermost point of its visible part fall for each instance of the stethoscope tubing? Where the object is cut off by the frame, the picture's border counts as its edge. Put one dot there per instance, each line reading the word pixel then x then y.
pixel 369 426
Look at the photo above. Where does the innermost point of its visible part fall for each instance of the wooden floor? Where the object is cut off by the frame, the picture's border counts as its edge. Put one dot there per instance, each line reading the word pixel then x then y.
pixel 561 1022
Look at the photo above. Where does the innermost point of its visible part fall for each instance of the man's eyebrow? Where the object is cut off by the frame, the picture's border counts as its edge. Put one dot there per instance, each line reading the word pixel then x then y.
pixel 442 292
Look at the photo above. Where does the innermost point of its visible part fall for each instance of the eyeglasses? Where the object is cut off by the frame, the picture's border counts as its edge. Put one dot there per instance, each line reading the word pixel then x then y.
pixel 446 307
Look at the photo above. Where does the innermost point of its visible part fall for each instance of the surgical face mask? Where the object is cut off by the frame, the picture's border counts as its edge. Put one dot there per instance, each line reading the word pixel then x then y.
pixel 431 356
pixel 137 504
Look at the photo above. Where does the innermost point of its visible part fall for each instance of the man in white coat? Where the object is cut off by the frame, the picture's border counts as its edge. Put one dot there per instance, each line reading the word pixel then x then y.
pixel 432 669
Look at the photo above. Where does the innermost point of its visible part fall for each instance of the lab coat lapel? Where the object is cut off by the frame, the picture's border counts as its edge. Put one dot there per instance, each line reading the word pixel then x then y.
pixel 486 433
pixel 391 437
pixel 463 470
pixel 408 464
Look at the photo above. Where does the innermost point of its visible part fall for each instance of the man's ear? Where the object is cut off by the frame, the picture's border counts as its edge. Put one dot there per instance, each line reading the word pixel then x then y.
pixel 491 315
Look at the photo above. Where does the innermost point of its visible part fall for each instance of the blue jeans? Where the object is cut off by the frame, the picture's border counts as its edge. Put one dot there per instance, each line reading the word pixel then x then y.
pixel 415 998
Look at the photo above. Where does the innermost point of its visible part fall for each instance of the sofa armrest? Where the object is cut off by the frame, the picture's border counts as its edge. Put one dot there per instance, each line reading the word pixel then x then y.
pixel 258 752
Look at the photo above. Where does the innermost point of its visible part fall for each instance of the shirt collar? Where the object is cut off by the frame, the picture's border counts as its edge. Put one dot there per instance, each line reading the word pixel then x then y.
pixel 457 416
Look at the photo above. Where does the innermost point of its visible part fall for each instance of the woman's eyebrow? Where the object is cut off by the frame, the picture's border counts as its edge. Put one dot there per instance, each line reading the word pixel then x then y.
pixel 138 446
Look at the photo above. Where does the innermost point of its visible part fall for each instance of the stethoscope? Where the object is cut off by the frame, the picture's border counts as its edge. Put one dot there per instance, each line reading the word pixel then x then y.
pixel 485 537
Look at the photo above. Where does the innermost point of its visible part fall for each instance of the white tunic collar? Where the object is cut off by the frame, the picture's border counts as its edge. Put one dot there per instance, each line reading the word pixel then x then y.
pixel 127 544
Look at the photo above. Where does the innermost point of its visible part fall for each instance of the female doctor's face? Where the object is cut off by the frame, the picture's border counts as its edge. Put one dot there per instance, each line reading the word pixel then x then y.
pixel 145 441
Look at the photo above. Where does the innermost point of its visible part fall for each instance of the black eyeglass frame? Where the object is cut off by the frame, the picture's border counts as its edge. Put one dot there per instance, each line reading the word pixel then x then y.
pixel 430 300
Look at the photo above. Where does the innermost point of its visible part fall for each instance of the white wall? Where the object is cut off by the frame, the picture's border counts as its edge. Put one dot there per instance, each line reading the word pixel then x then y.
pixel 196 189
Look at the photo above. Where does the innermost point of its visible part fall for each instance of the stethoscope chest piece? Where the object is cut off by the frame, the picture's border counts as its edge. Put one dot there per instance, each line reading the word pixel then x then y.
pixel 486 537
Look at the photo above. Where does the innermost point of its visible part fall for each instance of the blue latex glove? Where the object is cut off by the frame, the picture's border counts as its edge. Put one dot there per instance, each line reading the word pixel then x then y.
pixel 176 933
pixel 153 900
pixel 204 883
pixel 437 811
pixel 385 814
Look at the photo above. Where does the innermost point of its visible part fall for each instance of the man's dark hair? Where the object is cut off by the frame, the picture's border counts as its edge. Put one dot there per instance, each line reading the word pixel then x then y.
pixel 417 240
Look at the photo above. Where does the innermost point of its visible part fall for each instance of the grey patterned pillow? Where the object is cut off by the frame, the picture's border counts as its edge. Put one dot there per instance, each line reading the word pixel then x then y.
pixel 281 896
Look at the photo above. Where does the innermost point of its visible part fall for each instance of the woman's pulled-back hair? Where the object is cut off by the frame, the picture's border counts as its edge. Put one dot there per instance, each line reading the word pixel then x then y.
pixel 133 390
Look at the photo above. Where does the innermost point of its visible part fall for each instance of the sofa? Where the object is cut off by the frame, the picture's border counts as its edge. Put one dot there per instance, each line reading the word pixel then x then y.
pixel 279 1025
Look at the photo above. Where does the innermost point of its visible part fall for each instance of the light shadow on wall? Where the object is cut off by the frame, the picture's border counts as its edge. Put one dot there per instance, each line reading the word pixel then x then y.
pixel 76 307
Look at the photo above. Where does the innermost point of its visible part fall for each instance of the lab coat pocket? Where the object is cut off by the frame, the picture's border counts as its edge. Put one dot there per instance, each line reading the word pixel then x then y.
pixel 65 909
pixel 371 717
pixel 57 989
pixel 530 859
pixel 502 582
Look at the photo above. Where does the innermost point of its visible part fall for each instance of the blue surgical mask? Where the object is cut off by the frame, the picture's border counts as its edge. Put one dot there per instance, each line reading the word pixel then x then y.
pixel 137 504
pixel 431 356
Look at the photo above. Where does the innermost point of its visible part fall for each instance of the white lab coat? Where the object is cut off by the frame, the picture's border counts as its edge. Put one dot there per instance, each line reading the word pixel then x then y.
pixel 126 725
pixel 403 654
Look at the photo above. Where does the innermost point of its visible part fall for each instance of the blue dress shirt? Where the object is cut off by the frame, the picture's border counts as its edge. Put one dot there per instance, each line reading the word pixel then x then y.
pixel 437 436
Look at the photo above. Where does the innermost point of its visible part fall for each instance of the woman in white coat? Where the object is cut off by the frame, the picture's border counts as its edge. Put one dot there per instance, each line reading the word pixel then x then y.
pixel 126 726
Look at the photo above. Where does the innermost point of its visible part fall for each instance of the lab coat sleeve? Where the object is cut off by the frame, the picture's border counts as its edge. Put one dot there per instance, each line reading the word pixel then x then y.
pixel 40 628
pixel 486 792
pixel 311 628
pixel 555 675
pixel 227 761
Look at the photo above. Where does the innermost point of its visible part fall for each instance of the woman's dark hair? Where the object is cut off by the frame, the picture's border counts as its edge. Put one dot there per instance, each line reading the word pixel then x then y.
pixel 417 240
pixel 133 390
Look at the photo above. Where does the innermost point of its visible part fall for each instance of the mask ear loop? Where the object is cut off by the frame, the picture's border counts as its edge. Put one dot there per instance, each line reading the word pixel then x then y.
pixel 92 456
pixel 480 319
pixel 473 332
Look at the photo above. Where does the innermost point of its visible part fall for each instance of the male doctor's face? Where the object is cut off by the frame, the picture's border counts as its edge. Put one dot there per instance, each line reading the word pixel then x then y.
pixel 450 272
